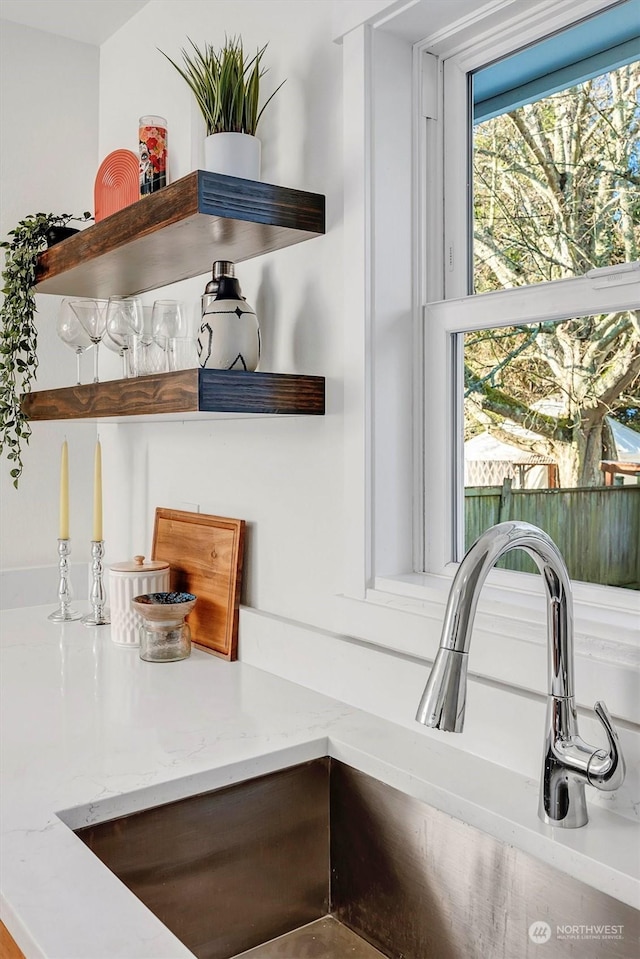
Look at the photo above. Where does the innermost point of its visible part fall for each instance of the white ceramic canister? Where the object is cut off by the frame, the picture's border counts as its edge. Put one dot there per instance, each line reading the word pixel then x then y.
pixel 129 579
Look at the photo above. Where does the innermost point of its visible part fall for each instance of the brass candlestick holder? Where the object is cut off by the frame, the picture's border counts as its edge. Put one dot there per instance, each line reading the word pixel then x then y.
pixel 99 616
pixel 64 613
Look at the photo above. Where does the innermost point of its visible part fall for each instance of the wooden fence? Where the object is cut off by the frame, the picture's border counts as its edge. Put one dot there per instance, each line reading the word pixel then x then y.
pixel 597 529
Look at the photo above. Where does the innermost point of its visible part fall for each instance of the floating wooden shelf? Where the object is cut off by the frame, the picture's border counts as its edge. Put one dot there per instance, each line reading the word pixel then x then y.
pixel 169 236
pixel 186 391
pixel 177 233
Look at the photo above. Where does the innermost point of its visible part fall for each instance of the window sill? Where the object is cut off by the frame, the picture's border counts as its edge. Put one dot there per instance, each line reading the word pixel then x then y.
pixel 511 621
pixel 516 598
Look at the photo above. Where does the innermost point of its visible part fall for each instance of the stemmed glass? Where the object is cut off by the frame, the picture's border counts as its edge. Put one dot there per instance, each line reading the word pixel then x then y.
pixel 169 323
pixel 125 318
pixel 168 319
pixel 72 333
pixel 92 317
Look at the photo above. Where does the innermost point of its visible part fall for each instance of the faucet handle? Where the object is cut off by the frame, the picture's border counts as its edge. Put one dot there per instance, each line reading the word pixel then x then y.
pixel 606 770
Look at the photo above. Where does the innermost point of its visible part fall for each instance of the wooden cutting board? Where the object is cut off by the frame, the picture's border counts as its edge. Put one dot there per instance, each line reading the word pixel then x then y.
pixel 205 555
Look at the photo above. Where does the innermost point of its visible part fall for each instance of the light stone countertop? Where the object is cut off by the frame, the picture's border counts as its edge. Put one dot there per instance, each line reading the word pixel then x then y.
pixel 90 732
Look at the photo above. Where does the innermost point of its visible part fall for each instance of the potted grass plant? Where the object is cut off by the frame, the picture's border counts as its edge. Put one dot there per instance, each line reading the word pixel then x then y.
pixel 226 85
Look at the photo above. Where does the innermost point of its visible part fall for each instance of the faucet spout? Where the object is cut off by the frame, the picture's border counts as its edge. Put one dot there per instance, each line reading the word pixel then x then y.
pixel 443 701
pixel 568 761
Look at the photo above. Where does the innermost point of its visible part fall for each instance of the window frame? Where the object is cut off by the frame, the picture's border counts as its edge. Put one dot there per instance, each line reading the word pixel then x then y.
pixel 559 300
pixel 460 311
pixel 380 582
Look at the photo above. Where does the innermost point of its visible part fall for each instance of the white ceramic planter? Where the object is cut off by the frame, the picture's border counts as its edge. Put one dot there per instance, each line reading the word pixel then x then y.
pixel 236 154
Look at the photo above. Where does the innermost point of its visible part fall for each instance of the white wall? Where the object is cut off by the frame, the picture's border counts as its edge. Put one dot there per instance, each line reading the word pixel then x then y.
pixel 48 152
pixel 284 476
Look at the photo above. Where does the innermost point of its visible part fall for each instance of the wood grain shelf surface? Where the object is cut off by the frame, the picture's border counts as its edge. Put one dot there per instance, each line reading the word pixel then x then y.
pixel 186 391
pixel 177 233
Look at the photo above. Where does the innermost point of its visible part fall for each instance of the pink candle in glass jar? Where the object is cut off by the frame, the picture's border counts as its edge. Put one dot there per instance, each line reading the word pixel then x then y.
pixel 152 136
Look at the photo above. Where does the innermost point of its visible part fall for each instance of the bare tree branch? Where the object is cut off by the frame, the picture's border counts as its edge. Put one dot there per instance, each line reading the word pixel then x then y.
pixel 555 195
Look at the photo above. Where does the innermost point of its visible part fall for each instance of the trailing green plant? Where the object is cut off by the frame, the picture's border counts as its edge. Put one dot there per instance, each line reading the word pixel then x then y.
pixel 226 85
pixel 18 334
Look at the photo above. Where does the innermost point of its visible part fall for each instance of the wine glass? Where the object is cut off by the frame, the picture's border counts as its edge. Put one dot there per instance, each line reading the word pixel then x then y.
pixel 169 320
pixel 125 318
pixel 92 317
pixel 72 333
pixel 147 332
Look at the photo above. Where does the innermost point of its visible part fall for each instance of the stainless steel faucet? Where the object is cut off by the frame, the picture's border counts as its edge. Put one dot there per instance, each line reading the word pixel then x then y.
pixel 568 762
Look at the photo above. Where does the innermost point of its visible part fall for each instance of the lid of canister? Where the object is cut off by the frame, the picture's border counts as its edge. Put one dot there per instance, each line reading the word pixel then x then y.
pixel 138 565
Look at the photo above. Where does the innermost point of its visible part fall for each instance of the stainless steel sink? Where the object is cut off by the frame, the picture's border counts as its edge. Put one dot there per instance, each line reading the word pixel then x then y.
pixel 325 938
pixel 320 861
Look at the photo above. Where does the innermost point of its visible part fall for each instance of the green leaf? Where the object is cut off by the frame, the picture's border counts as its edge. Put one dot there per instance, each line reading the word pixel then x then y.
pixel 18 334
pixel 225 84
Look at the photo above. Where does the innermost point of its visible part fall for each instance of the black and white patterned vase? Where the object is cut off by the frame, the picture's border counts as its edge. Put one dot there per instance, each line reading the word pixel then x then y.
pixel 229 336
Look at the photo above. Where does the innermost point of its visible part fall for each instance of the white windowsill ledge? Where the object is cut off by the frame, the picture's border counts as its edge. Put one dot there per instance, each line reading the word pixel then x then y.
pixel 510 637
pixel 518 598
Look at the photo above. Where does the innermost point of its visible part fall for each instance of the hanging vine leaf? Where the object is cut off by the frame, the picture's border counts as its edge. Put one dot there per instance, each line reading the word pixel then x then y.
pixel 18 334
